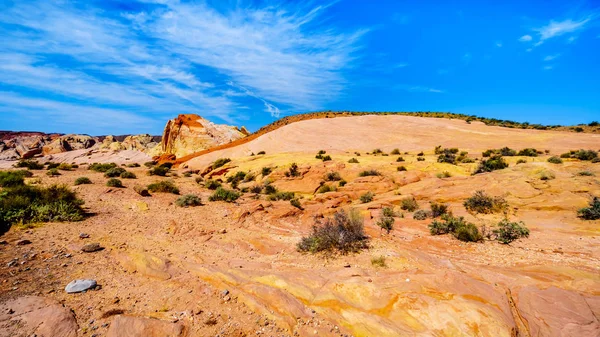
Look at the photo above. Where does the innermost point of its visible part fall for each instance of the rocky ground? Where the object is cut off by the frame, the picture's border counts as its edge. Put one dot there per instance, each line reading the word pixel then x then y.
pixel 232 269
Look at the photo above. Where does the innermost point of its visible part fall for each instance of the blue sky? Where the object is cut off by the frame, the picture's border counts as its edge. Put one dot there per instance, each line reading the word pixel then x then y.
pixel 116 67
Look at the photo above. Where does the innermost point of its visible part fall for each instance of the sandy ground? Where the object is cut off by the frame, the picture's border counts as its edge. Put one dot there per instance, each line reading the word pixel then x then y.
pixel 173 264
pixel 90 156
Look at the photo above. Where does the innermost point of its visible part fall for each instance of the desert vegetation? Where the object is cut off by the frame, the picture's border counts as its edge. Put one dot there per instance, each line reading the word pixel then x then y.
pixel 82 181
pixel 223 194
pixel 592 212
pixel 342 233
pixel 483 203
pixel 165 186
pixel 188 200
pixel 492 164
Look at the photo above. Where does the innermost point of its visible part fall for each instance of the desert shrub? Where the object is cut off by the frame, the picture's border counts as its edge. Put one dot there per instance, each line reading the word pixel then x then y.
pixel 585 174
pixel 353 161
pixel 508 232
pixel 594 123
pixel 322 152
pixel 293 171
pixel 250 176
pixel 438 210
pixel 585 155
pixel 395 151
pixel 235 179
pixel 128 175
pixel 547 175
pixel 592 212
pixel 555 160
pixel 466 160
pixel 521 161
pixel 357 154
pixel 222 194
pixel 256 189
pixel 388 211
pixel 219 163
pixel 399 159
pixel 270 189
pixel 114 182
pixel 82 181
pixel 159 171
pixel 401 168
pixel 444 174
pixel 132 165
pixel 422 214
pixel 596 160
pixel 51 165
pixel 367 197
pixel 333 176
pixel 280 195
pixel 420 159
pixel 114 172
pixel 187 174
pixel 198 180
pixel 377 151
pixel 386 223
pixel 30 164
pixel 188 200
pixel 260 153
pixel 342 183
pixel 578 129
pixel 368 173
pixel 420 154
pixel 378 262
pixel 505 151
pixel 212 184
pixel 265 171
pixel 12 178
pixel 482 203
pixel 26 204
pixel 296 203
pixel 326 158
pixel 101 167
pixel 149 164
pixel 326 188
pixel 409 204
pixel 492 164
pixel 53 172
pixel 65 167
pixel 566 155
pixel 165 186
pixel 447 156
pixel 141 190
pixel 529 152
pixel 343 233
pixel 458 227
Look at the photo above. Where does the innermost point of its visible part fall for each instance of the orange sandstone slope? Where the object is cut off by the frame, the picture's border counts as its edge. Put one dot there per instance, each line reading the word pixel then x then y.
pixel 407 133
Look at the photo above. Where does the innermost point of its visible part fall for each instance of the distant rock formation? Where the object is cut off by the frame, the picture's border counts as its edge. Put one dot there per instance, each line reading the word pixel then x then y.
pixel 68 143
pixel 191 133
pixel 15 145
pixel 144 143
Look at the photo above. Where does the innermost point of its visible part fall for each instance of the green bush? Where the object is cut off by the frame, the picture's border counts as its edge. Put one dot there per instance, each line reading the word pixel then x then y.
pixel 163 187
pixel 114 172
pixel 395 152
pixel 265 171
pixel 508 232
pixel 458 227
pixel 12 178
pixel 592 212
pixel 422 214
pixel 377 151
pixel 388 211
pixel 65 167
pixel 127 175
pixel 235 179
pixel 293 171
pixel 420 154
pixel 468 233
pixel 261 153
pixel 448 156
pixel 342 183
pixel 492 164
pixel 353 161
pixel 132 165
pixel 53 172
pixel 149 164
pixel 296 203
pixel 401 168
pixel 326 188
pixel 281 196
pixel 399 159
pixel 333 176
pixel 101 167
pixel 547 175
pixel 256 189
pixel 52 165
pixel 219 162
pixel 378 262
pixel 529 152
pixel 438 210
pixel 326 158
pixel 222 194
pixel 114 182
pixel 420 159
pixel 482 203
pixel 386 222
pixel 585 174
pixel 270 189
pixel 585 155
pixel 443 175
pixel 250 176
pixel 521 161
pixel 368 173
pixel 343 233
pixel 82 181
pixel 409 204
pixel 29 204
pixel 555 160
pixel 188 200
pixel 30 164
pixel 505 151
pixel 367 197
pixel 159 171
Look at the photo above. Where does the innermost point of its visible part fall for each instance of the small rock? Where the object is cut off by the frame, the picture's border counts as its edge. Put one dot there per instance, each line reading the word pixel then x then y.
pixel 347 265
pixel 23 242
pixel 10 311
pixel 84 236
pixel 92 247
pixel 3 242
pixel 223 231
pixel 226 298
pixel 225 292
pixel 78 286
pixel 12 263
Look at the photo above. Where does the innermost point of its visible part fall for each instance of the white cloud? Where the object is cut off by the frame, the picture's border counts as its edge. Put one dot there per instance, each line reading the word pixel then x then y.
pixel 525 38
pixel 572 39
pixel 499 44
pixel 551 57
pixel 554 28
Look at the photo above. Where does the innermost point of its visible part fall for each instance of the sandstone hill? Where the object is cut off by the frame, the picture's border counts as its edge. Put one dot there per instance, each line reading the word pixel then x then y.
pixel 187 258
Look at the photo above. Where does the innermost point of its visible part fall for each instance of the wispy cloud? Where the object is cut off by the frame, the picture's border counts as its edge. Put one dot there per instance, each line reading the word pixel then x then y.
pixel 419 88
pixel 558 28
pixel 499 44
pixel 525 38
pixel 169 57
pixel 551 57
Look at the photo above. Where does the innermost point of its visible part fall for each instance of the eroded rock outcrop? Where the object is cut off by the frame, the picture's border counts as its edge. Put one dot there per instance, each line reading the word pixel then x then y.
pixel 191 133
pixel 36 316
pixel 69 143
pixel 143 143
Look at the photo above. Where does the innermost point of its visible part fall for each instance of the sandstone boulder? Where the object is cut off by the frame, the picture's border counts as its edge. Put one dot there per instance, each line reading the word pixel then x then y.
pixel 128 326
pixel 36 316
pixel 191 133
pixel 69 143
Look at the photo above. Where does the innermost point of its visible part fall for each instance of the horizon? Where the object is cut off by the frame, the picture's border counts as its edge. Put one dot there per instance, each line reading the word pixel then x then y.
pixel 112 67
